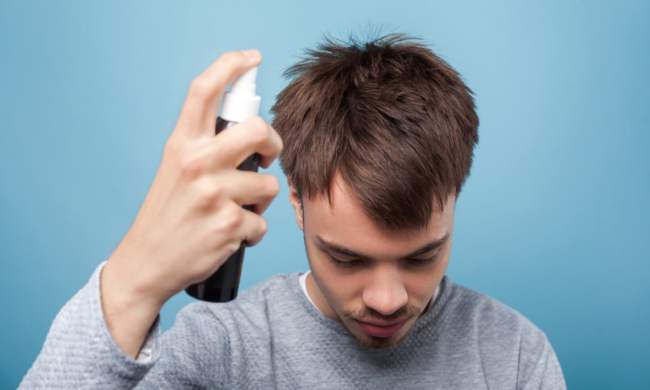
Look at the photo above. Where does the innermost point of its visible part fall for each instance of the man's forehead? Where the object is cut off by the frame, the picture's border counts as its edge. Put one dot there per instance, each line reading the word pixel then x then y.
pixel 344 206
pixel 343 222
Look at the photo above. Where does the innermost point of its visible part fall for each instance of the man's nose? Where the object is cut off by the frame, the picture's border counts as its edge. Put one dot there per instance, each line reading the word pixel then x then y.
pixel 386 294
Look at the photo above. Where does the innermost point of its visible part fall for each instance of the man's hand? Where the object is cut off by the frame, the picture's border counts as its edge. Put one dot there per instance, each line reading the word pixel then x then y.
pixel 191 220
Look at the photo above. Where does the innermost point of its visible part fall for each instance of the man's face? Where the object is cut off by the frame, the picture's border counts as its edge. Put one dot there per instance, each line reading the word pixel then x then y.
pixel 384 278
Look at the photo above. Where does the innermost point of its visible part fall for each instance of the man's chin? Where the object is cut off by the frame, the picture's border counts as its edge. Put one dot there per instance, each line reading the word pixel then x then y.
pixel 379 342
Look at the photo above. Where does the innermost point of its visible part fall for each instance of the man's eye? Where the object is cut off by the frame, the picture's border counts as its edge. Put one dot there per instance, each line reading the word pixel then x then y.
pixel 422 262
pixel 345 263
pixel 356 263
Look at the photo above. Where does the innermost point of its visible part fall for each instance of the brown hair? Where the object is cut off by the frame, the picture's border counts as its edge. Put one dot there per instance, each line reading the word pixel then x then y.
pixel 394 119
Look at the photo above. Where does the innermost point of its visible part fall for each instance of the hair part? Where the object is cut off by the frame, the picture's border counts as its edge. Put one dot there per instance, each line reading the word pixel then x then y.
pixel 393 118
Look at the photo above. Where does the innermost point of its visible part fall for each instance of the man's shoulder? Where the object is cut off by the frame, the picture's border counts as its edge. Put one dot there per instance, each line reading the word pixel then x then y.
pixel 273 287
pixel 508 342
pixel 490 317
pixel 253 306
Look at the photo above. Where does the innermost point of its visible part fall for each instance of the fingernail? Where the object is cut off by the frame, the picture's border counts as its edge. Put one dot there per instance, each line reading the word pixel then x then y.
pixel 252 54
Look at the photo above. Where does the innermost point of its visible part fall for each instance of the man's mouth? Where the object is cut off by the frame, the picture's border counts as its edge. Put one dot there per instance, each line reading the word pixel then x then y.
pixel 381 329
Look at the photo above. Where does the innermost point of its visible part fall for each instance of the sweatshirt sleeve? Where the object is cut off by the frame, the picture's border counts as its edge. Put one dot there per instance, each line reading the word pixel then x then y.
pixel 539 366
pixel 79 351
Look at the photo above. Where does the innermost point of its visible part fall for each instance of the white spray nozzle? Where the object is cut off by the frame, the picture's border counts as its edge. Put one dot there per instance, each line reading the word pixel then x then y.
pixel 241 102
pixel 245 84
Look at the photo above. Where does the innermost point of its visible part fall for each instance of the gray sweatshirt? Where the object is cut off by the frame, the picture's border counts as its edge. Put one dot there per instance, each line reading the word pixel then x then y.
pixel 271 336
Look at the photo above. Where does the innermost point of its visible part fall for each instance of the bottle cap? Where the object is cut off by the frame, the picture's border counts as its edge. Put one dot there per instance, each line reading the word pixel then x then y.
pixel 241 102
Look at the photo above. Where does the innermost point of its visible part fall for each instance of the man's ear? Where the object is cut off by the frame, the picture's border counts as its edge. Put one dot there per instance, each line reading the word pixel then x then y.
pixel 296 202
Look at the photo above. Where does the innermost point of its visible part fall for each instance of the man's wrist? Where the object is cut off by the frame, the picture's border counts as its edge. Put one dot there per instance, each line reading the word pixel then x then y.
pixel 129 310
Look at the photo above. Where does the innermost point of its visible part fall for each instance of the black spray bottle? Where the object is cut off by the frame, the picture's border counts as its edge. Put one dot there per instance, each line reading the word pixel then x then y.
pixel 239 104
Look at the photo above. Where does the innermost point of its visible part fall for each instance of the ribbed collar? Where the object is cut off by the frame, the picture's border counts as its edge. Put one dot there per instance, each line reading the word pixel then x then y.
pixel 426 320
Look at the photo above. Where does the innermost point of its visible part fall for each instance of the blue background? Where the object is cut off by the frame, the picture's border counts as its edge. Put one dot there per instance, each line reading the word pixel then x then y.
pixel 553 220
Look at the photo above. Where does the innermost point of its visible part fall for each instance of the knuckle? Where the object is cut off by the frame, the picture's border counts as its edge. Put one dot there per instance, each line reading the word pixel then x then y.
pixel 230 58
pixel 172 148
pixel 229 247
pixel 256 236
pixel 200 87
pixel 232 247
pixel 259 129
pixel 273 185
pixel 215 238
pixel 191 168
pixel 217 191
pixel 232 219
pixel 209 192
pixel 264 226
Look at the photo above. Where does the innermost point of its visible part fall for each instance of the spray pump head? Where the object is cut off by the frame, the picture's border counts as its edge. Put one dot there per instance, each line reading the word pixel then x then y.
pixel 241 102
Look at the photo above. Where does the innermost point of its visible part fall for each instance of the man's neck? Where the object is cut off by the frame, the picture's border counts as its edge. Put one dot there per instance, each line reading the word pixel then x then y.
pixel 314 293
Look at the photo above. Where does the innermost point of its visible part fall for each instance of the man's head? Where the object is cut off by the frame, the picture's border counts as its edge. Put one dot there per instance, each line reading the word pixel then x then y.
pixel 378 141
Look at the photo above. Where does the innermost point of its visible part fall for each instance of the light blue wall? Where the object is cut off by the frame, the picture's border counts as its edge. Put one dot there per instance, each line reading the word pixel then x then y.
pixel 553 221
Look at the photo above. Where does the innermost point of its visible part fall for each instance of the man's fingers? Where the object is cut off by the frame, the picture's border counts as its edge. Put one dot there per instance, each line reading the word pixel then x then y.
pixel 253 229
pixel 242 187
pixel 241 225
pixel 198 115
pixel 233 145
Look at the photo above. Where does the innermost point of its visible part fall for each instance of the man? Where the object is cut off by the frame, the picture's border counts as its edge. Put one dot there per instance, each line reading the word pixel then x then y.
pixel 377 140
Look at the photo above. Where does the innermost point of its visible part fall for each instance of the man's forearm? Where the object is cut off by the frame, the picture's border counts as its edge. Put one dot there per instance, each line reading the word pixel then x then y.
pixel 128 315
pixel 79 351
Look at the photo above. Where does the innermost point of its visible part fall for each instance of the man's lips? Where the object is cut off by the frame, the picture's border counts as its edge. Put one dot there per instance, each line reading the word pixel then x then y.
pixel 385 323
pixel 379 329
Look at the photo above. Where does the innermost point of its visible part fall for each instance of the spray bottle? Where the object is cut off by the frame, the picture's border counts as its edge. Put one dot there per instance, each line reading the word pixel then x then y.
pixel 240 104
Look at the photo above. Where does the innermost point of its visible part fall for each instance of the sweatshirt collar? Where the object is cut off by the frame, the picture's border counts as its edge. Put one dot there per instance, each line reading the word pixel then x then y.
pixel 426 318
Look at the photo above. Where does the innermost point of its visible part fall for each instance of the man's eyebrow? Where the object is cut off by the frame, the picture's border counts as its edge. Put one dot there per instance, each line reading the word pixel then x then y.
pixel 341 250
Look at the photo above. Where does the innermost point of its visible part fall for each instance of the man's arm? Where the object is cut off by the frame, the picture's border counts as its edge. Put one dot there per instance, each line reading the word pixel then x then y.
pixel 190 222
pixel 539 367
pixel 80 353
